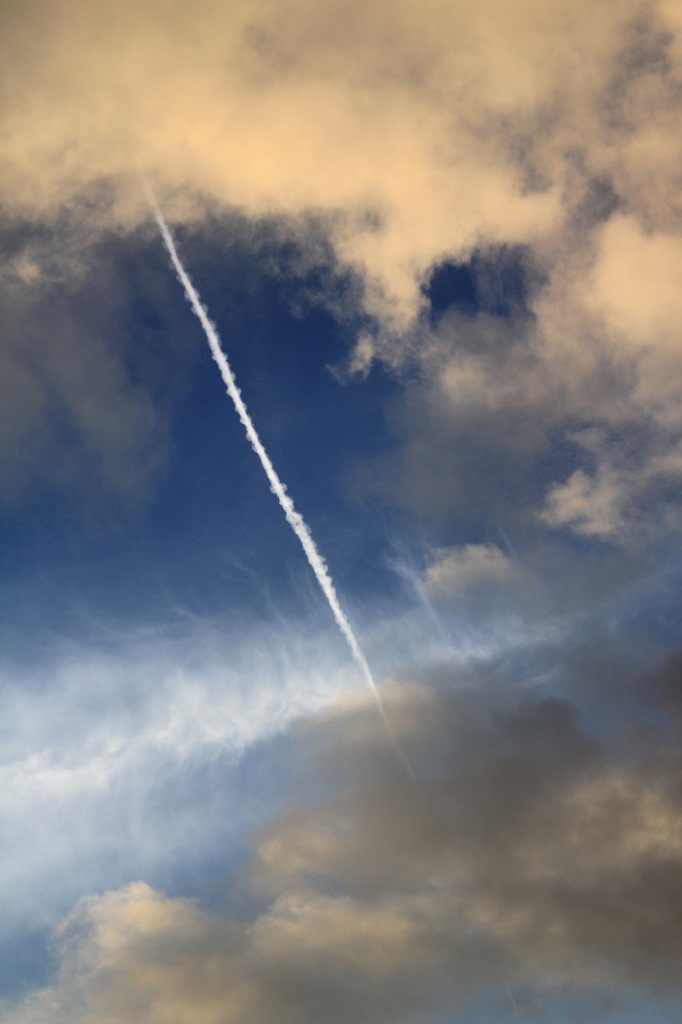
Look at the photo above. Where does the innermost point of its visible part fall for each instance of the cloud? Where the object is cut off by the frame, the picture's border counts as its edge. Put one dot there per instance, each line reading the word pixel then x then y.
pixel 99 350
pixel 547 858
pixel 77 413
pixel 588 504
pixel 135 954
pixel 536 148
pixel 123 754
pixel 636 281
pixel 274 110
pixel 529 693
pixel 415 134
pixel 456 569
pixel 632 489
pixel 420 132
pixel 550 411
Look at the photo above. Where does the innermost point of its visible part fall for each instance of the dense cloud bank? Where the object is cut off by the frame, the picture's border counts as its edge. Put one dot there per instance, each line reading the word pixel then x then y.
pixel 418 134
pixel 545 856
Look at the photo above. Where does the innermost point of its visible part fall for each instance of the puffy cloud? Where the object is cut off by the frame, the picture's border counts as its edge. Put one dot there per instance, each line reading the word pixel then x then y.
pixel 135 954
pixel 545 858
pixel 632 488
pixel 558 398
pixel 589 504
pixel 456 569
pixel 637 280
pixel 423 130
pixel 415 133
pixel 345 108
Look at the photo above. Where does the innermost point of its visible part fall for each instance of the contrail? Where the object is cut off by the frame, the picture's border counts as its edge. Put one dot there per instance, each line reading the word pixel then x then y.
pixel 513 1001
pixel 294 518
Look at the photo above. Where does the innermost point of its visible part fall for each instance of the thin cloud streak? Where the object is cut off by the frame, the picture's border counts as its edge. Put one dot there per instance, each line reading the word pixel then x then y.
pixel 294 518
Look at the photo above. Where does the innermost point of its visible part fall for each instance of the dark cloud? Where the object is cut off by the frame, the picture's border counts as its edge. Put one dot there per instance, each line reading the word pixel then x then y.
pixel 668 681
pixel 545 856
pixel 81 412
pixel 99 347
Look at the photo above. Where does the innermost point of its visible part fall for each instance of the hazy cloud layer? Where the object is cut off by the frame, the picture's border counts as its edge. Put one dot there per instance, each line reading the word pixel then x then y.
pixel 71 411
pixel 124 751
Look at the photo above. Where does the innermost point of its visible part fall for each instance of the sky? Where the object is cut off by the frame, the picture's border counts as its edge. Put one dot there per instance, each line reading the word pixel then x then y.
pixel 441 243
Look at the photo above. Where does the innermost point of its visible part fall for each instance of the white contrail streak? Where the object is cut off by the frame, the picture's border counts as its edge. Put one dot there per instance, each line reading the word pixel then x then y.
pixel 294 518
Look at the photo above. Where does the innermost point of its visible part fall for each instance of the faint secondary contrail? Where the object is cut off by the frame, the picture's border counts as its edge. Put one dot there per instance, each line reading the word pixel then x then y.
pixel 294 518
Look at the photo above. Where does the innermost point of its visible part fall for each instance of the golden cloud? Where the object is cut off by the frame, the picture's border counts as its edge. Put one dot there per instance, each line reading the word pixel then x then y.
pixel 416 132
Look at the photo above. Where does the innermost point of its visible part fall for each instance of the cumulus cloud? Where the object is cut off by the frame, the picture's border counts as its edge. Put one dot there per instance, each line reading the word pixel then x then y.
pixel 417 133
pixel 547 859
pixel 630 488
pixel 453 570
pixel 344 108
pixel 424 131
pixel 548 410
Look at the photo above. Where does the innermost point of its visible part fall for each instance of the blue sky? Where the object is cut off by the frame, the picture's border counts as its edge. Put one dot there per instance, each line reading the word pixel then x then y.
pixel 441 247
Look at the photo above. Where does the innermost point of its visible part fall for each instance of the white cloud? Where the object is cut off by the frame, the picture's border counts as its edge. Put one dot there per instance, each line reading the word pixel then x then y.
pixel 631 491
pixel 97 744
pixel 454 570
pixel 590 505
